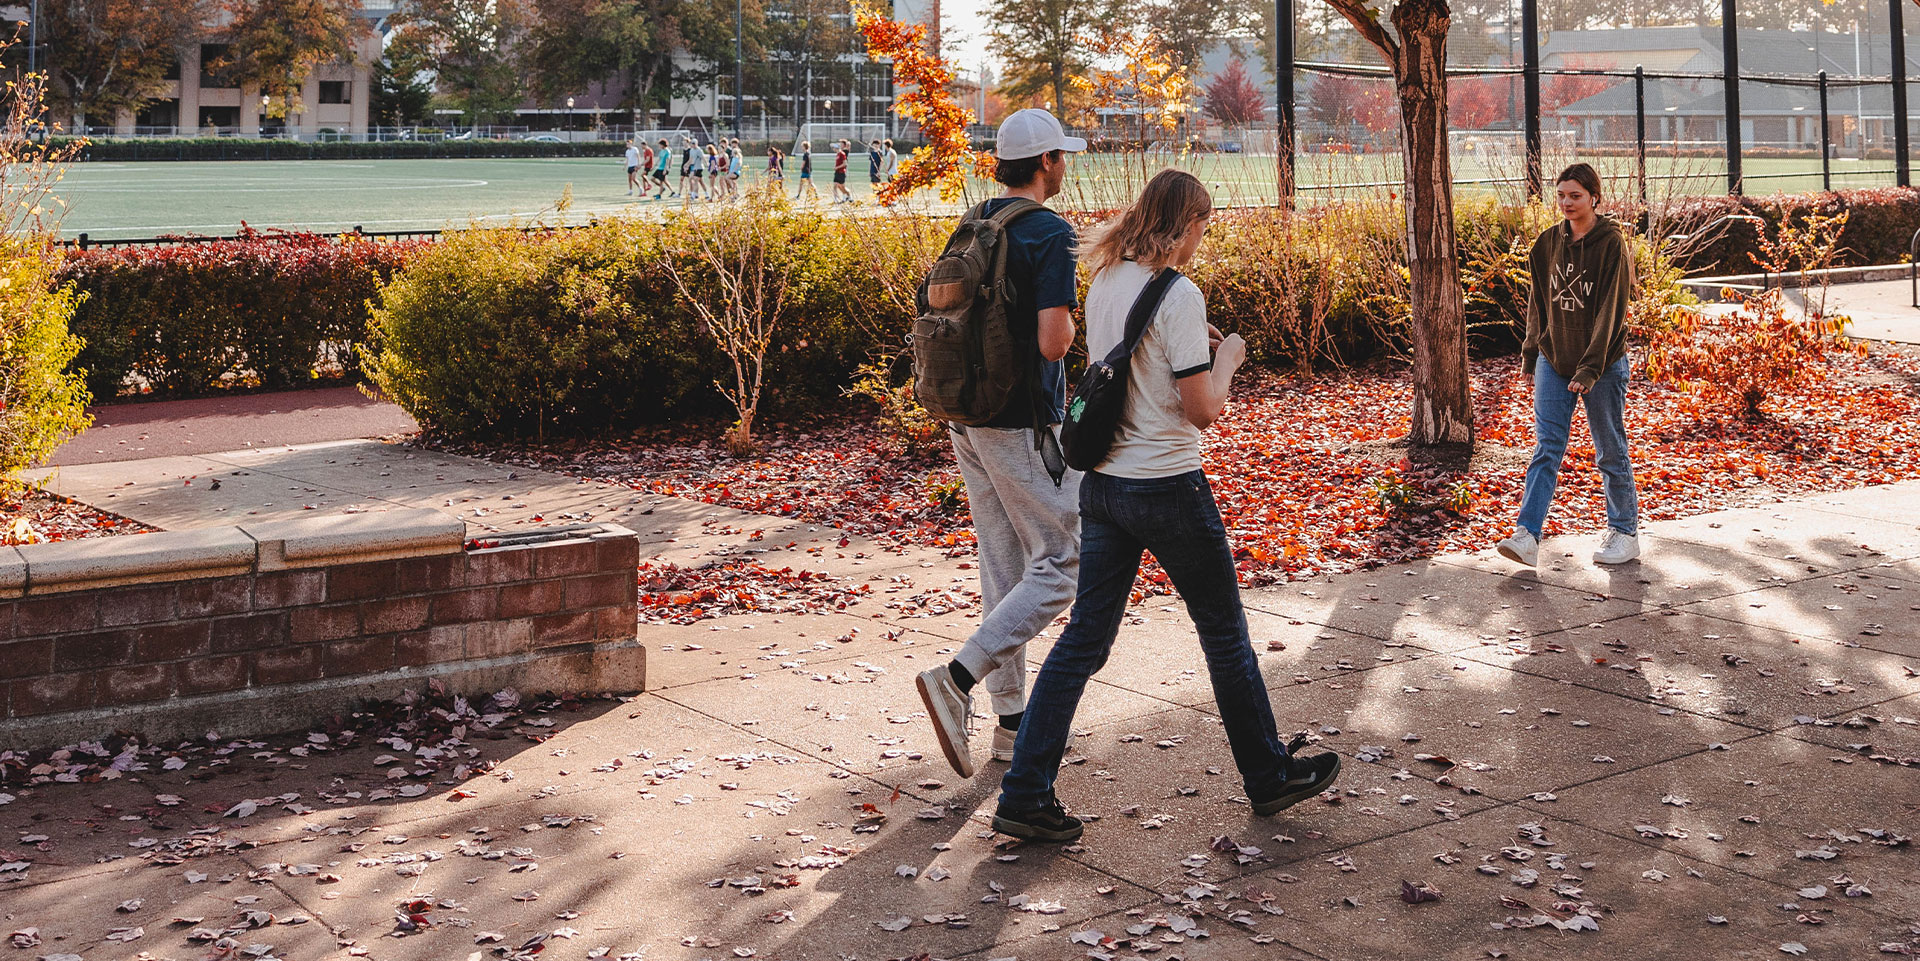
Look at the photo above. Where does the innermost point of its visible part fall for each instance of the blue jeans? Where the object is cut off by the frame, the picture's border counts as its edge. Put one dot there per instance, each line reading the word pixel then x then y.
pixel 1175 518
pixel 1606 406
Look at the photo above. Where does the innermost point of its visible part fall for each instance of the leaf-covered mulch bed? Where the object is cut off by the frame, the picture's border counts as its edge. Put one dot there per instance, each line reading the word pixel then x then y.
pixel 35 516
pixel 1295 461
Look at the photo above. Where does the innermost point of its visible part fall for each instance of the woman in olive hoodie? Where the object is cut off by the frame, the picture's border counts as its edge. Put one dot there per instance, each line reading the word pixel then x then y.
pixel 1577 323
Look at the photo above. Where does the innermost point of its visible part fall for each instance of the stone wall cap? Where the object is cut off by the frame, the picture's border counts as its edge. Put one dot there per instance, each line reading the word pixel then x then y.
pixel 206 552
pixel 13 572
pixel 305 540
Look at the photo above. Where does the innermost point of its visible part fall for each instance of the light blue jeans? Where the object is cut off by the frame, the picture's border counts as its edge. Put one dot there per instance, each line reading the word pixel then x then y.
pixel 1606 406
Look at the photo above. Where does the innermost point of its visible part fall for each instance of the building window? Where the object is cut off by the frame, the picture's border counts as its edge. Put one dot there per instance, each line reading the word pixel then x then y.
pixel 228 117
pixel 336 91
pixel 173 70
pixel 211 76
pixel 160 113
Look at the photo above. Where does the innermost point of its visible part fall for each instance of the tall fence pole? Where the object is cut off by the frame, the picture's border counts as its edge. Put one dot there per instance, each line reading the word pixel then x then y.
pixel 1640 126
pixel 1530 60
pixel 1826 150
pixel 1730 78
pixel 1897 28
pixel 739 66
pixel 1283 90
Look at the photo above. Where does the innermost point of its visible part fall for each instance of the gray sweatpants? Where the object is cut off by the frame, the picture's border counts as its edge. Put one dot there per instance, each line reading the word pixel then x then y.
pixel 1028 533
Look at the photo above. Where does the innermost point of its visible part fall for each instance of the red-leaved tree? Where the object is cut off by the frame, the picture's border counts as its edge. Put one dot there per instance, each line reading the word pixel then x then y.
pixel 1561 89
pixel 1232 97
pixel 1476 103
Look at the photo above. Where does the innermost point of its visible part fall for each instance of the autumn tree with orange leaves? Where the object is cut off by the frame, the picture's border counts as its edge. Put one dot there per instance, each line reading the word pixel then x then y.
pixel 947 156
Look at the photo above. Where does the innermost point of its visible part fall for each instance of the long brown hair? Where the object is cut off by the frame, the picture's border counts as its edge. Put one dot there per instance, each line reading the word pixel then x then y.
pixel 1149 231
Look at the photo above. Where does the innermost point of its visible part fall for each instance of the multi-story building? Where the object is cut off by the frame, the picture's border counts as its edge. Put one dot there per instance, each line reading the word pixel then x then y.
pixel 198 100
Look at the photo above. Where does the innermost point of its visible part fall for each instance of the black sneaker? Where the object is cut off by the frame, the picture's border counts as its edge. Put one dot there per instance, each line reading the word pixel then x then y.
pixel 1311 775
pixel 1050 823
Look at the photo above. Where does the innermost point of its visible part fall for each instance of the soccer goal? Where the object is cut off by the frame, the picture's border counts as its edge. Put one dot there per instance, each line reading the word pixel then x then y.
pixel 1503 153
pixel 824 136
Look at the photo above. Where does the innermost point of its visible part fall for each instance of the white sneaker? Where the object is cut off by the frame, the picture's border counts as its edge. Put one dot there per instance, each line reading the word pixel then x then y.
pixel 1617 548
pixel 1003 743
pixel 951 712
pixel 1521 548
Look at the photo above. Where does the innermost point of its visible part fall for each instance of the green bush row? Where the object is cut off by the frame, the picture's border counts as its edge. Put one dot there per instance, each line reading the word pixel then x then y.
pixel 508 332
pixel 233 148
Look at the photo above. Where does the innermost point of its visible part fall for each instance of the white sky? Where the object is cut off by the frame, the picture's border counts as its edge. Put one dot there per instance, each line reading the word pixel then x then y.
pixel 964 43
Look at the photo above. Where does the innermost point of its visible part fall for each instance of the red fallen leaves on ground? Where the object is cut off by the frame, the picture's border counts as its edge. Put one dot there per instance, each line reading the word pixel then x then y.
pixel 33 517
pixel 671 594
pixel 1293 462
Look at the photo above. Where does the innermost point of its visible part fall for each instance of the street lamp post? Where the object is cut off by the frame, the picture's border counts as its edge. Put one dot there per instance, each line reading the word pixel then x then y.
pixel 569 119
pixel 33 38
pixel 739 70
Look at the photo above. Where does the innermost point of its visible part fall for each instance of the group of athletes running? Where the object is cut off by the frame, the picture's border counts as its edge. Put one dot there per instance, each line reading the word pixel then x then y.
pixel 712 172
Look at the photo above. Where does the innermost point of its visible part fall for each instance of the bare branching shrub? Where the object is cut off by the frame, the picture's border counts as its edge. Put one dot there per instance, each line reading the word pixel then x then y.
pixel 743 259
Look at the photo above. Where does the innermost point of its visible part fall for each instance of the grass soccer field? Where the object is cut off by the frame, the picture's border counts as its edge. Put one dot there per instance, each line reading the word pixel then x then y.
pixel 118 200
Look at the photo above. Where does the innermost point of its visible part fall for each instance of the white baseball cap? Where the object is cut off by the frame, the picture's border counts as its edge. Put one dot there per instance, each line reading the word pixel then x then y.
pixel 1032 132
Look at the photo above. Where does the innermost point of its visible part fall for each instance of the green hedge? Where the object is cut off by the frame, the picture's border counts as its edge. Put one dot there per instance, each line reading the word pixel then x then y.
pixel 507 332
pixel 266 310
pixel 1880 223
pixel 234 148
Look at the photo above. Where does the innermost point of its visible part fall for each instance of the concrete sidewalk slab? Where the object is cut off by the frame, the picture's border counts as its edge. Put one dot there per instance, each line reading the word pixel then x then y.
pixel 1752 676
pixel 1438 605
pixel 724 773
pixel 1753 809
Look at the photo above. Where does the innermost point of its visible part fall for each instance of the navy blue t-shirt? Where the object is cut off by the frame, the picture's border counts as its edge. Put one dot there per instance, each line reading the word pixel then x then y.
pixel 1040 260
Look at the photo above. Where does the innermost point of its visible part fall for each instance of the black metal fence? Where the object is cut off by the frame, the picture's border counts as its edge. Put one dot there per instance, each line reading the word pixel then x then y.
pixel 1659 105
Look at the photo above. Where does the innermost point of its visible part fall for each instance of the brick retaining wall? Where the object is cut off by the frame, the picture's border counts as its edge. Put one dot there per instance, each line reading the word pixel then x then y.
pixel 265 627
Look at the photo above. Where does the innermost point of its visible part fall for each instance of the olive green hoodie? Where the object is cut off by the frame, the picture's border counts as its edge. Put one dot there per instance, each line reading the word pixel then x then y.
pixel 1577 312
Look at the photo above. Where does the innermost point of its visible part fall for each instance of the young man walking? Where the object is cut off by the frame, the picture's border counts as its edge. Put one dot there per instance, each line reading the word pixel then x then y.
pixel 873 162
pixel 889 162
pixel 692 165
pixel 840 193
pixel 1026 521
pixel 633 168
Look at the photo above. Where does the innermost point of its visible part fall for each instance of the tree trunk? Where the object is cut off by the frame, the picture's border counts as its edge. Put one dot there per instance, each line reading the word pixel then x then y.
pixel 1060 88
pixel 1442 401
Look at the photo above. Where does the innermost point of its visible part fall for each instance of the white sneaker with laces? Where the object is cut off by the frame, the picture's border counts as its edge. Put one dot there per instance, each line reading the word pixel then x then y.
pixel 1618 547
pixel 1003 743
pixel 951 712
pixel 1521 548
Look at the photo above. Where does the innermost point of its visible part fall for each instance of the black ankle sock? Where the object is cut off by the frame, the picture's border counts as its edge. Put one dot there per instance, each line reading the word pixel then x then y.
pixel 962 677
pixel 1012 721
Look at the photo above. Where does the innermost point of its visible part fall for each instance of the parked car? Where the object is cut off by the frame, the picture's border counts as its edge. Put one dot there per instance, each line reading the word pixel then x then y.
pixel 543 138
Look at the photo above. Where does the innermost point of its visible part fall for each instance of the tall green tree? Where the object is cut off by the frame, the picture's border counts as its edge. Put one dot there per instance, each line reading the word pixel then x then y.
pixel 473 49
pixel 806 41
pixel 572 43
pixel 399 99
pixel 275 45
pixel 104 56
pixel 1042 43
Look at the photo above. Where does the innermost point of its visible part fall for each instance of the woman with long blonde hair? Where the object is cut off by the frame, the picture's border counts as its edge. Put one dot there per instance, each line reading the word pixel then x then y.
pixel 1151 494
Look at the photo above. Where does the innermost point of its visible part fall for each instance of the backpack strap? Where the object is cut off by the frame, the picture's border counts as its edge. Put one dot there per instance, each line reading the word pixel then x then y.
pixel 1141 316
pixel 1020 207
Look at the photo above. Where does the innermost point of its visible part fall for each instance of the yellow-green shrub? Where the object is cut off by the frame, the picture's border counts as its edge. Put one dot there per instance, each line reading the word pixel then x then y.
pixel 42 403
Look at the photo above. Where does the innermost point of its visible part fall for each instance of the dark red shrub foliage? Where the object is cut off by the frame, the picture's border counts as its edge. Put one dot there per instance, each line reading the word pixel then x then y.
pixel 271 309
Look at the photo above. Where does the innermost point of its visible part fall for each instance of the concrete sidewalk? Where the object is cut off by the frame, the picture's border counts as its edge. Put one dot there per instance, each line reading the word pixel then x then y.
pixel 1701 751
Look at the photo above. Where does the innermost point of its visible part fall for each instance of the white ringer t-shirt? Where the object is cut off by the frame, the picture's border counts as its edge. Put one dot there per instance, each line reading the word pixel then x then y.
pixel 1155 438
